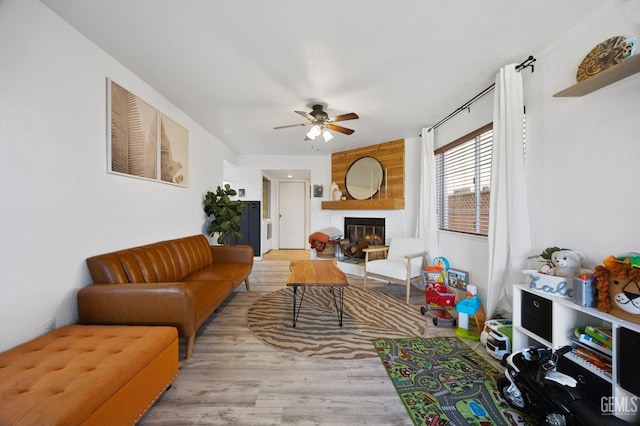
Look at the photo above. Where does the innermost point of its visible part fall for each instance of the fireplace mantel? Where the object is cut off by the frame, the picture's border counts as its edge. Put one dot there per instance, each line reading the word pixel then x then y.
pixel 375 204
pixel 391 195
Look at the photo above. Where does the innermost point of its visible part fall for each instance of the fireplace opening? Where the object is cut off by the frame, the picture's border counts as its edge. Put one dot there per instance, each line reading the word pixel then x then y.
pixel 360 233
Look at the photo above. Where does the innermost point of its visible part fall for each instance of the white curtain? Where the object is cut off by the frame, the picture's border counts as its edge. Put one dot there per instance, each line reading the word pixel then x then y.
pixel 509 234
pixel 427 222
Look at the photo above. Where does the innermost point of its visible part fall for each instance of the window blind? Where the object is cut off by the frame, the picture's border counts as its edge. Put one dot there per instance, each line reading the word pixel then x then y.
pixel 463 179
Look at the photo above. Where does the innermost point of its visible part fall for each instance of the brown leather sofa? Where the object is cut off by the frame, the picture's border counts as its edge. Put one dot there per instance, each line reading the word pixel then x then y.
pixel 177 283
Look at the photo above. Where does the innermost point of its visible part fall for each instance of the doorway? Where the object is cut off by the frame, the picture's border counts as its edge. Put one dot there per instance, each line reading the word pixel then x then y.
pixel 292 215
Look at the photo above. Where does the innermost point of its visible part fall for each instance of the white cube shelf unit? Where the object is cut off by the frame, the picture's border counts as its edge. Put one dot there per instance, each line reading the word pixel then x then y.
pixel 542 319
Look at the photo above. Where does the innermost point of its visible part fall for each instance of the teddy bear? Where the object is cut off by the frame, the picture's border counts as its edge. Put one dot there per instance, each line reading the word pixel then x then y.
pixel 566 263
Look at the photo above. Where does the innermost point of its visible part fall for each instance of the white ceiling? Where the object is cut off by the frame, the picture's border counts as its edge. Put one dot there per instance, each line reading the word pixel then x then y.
pixel 241 67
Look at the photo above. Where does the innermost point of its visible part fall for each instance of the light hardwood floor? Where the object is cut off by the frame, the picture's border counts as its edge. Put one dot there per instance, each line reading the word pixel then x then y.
pixel 235 379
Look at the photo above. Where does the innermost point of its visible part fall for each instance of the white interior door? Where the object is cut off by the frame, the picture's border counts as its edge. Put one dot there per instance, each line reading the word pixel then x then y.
pixel 292 214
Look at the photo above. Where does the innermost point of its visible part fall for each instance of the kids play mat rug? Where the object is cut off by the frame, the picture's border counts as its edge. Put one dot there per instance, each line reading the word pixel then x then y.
pixel 442 381
pixel 367 315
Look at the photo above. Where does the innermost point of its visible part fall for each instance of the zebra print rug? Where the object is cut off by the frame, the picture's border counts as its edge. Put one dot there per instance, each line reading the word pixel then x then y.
pixel 367 315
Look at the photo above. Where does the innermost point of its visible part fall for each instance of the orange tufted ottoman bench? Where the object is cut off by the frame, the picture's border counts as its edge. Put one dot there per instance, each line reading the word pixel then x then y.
pixel 87 374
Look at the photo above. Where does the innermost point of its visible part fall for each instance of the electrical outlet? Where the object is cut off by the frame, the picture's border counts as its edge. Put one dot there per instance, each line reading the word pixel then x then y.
pixel 50 325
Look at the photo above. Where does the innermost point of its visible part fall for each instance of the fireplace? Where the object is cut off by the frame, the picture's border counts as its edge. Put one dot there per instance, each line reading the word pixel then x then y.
pixel 359 233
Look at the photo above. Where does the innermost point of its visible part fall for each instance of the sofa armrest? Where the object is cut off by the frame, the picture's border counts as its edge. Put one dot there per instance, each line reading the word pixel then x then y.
pixel 168 303
pixel 233 254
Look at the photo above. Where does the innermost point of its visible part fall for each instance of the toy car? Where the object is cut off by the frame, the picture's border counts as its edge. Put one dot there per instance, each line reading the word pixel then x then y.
pixel 496 336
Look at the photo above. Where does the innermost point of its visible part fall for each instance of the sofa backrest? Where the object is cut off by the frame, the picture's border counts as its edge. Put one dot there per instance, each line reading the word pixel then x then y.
pixel 165 261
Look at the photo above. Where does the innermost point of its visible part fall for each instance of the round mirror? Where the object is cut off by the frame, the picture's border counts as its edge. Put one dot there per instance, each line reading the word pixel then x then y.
pixel 364 178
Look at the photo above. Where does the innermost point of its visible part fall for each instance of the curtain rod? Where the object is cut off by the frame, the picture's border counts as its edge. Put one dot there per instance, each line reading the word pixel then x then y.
pixel 524 64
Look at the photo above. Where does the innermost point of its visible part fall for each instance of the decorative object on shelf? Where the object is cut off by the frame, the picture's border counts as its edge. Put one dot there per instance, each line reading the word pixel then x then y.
pixel 584 290
pixel 545 258
pixel 618 283
pixel 566 263
pixel 336 194
pixel 606 54
pixel 224 213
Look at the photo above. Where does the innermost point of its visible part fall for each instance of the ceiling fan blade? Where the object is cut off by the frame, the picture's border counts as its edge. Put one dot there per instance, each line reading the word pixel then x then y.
pixel 291 125
pixel 306 115
pixel 344 117
pixel 340 129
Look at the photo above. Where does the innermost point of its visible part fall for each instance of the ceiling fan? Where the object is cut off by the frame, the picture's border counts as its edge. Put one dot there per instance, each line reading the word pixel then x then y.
pixel 321 123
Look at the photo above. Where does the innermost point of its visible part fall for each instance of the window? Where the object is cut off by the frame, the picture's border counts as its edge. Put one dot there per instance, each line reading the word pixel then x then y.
pixel 463 179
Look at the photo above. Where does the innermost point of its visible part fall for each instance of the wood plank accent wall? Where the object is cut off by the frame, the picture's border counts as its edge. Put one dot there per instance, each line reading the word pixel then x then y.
pixel 391 156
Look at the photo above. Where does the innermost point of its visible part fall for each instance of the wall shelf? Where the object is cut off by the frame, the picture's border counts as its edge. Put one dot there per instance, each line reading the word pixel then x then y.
pixel 602 79
pixel 372 204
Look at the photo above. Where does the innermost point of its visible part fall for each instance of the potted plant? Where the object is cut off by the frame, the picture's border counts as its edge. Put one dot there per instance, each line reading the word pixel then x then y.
pixel 224 213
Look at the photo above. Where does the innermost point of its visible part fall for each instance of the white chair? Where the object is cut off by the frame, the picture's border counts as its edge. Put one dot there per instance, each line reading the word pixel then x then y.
pixel 405 260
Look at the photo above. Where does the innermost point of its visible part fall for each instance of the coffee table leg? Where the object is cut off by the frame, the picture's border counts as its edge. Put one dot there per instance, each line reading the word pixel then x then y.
pixel 338 300
pixel 296 306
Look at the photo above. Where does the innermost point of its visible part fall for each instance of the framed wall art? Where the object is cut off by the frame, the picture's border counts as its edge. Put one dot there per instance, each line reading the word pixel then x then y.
pixel 143 142
pixel 133 135
pixel 174 152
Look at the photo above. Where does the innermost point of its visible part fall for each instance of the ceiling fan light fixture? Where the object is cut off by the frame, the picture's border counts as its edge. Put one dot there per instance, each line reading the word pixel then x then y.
pixel 321 123
pixel 313 132
pixel 327 135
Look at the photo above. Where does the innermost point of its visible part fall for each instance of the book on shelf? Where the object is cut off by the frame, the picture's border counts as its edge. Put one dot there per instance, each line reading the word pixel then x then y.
pixel 600 333
pixel 587 361
pixel 590 343
pixel 599 361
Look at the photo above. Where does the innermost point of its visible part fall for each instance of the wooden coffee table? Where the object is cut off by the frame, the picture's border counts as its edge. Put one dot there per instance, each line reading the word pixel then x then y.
pixel 317 273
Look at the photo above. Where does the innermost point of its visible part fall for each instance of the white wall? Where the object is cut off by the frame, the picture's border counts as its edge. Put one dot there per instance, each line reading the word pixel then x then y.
pixel 58 203
pixel 583 154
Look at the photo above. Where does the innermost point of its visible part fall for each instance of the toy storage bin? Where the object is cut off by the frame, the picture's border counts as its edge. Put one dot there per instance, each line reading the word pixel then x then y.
pixel 537 314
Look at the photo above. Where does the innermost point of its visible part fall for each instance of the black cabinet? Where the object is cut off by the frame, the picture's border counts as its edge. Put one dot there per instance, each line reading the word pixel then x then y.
pixel 250 226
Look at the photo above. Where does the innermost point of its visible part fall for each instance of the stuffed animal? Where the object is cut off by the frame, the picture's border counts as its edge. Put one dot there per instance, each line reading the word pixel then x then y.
pixel 618 286
pixel 566 263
